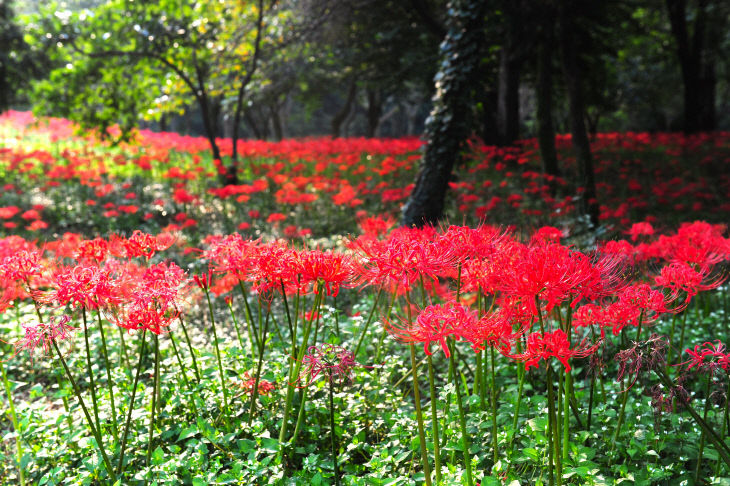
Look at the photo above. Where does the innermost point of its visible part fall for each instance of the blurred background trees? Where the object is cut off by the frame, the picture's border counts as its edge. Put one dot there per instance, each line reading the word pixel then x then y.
pixel 271 69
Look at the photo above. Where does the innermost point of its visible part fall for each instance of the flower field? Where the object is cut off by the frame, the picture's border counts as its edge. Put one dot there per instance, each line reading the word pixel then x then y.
pixel 159 328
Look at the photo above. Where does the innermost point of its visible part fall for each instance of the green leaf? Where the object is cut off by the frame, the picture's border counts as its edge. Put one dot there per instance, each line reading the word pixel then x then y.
pixel 187 432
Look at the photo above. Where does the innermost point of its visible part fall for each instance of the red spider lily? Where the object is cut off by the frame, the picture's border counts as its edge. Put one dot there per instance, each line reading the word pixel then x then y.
pixel 408 256
pixel 638 301
pixel 639 229
pixel 328 268
pixel 232 254
pixel 83 285
pixel 680 276
pixel 436 323
pixel 155 301
pixel 203 280
pixel 21 266
pixel 493 330
pixel 248 383
pixel 552 344
pixel 335 362
pixel 708 357
pixel 138 245
pixel 92 250
pixel 41 335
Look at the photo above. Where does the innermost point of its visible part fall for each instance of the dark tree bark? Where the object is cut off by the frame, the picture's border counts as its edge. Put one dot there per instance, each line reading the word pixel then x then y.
pixel 544 95
pixel 374 111
pixel 697 62
pixel 576 112
pixel 449 124
pixel 276 121
pixel 508 102
pixel 341 115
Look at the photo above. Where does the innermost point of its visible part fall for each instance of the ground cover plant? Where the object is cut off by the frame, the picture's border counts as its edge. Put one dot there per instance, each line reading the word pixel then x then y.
pixel 160 329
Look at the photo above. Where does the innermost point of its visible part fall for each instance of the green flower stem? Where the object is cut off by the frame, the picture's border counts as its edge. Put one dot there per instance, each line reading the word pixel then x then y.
pixel 720 446
pixel 702 435
pixel 190 347
pixel 478 379
pixel 333 433
pixel 90 371
pixel 681 335
pixel 371 314
pixel 16 425
pixel 303 401
pixel 553 438
pixel 724 422
pixel 226 413
pixel 184 373
pixel 379 348
pixel 89 420
pixel 495 447
pixel 110 383
pixel 286 308
pixel 123 358
pixel 554 449
pixel 252 333
pixel 625 393
pixel 296 370
pixel 590 401
pixel 236 326
pixel 255 390
pixel 568 392
pixel 153 407
pixel 419 417
pixel 671 340
pixel 462 415
pixel 434 420
pixel 142 344
pixel 559 417
pixel 521 379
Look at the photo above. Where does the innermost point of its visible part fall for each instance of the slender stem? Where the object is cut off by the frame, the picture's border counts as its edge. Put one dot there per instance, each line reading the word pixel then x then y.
pixel 495 447
pixel 255 389
pixel 369 320
pixel 236 326
pixel 89 420
pixel 462 415
pixel 16 425
pixel 434 420
pixel 252 333
pixel 123 358
pixel 419 417
pixel 90 371
pixel 296 370
pixel 521 378
pixel 553 424
pixel 184 373
pixel 142 344
pixel 110 384
pixel 153 408
pixel 702 435
pixel 333 434
pixel 220 362
pixel 190 347
pixel 724 422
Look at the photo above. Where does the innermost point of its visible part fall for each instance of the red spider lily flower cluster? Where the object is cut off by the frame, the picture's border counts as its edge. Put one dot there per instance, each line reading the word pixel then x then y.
pixel 708 357
pixel 248 383
pixel 334 362
pixel 40 335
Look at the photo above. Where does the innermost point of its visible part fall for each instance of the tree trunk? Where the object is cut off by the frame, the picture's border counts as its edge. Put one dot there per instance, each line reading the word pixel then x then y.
pixel 449 124
pixel 581 144
pixel 341 115
pixel 544 95
pixel 276 121
pixel 697 63
pixel 375 110
pixel 508 102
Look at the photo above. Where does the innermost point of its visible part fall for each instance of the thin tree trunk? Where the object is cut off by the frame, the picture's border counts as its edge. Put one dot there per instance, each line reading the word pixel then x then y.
pixel 581 144
pixel 375 110
pixel 341 115
pixel 544 95
pixel 508 102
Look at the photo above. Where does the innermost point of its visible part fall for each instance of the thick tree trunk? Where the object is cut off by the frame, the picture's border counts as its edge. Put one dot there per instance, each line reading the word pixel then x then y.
pixel 544 95
pixel 341 115
pixel 276 121
pixel 449 124
pixel 581 144
pixel 508 103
